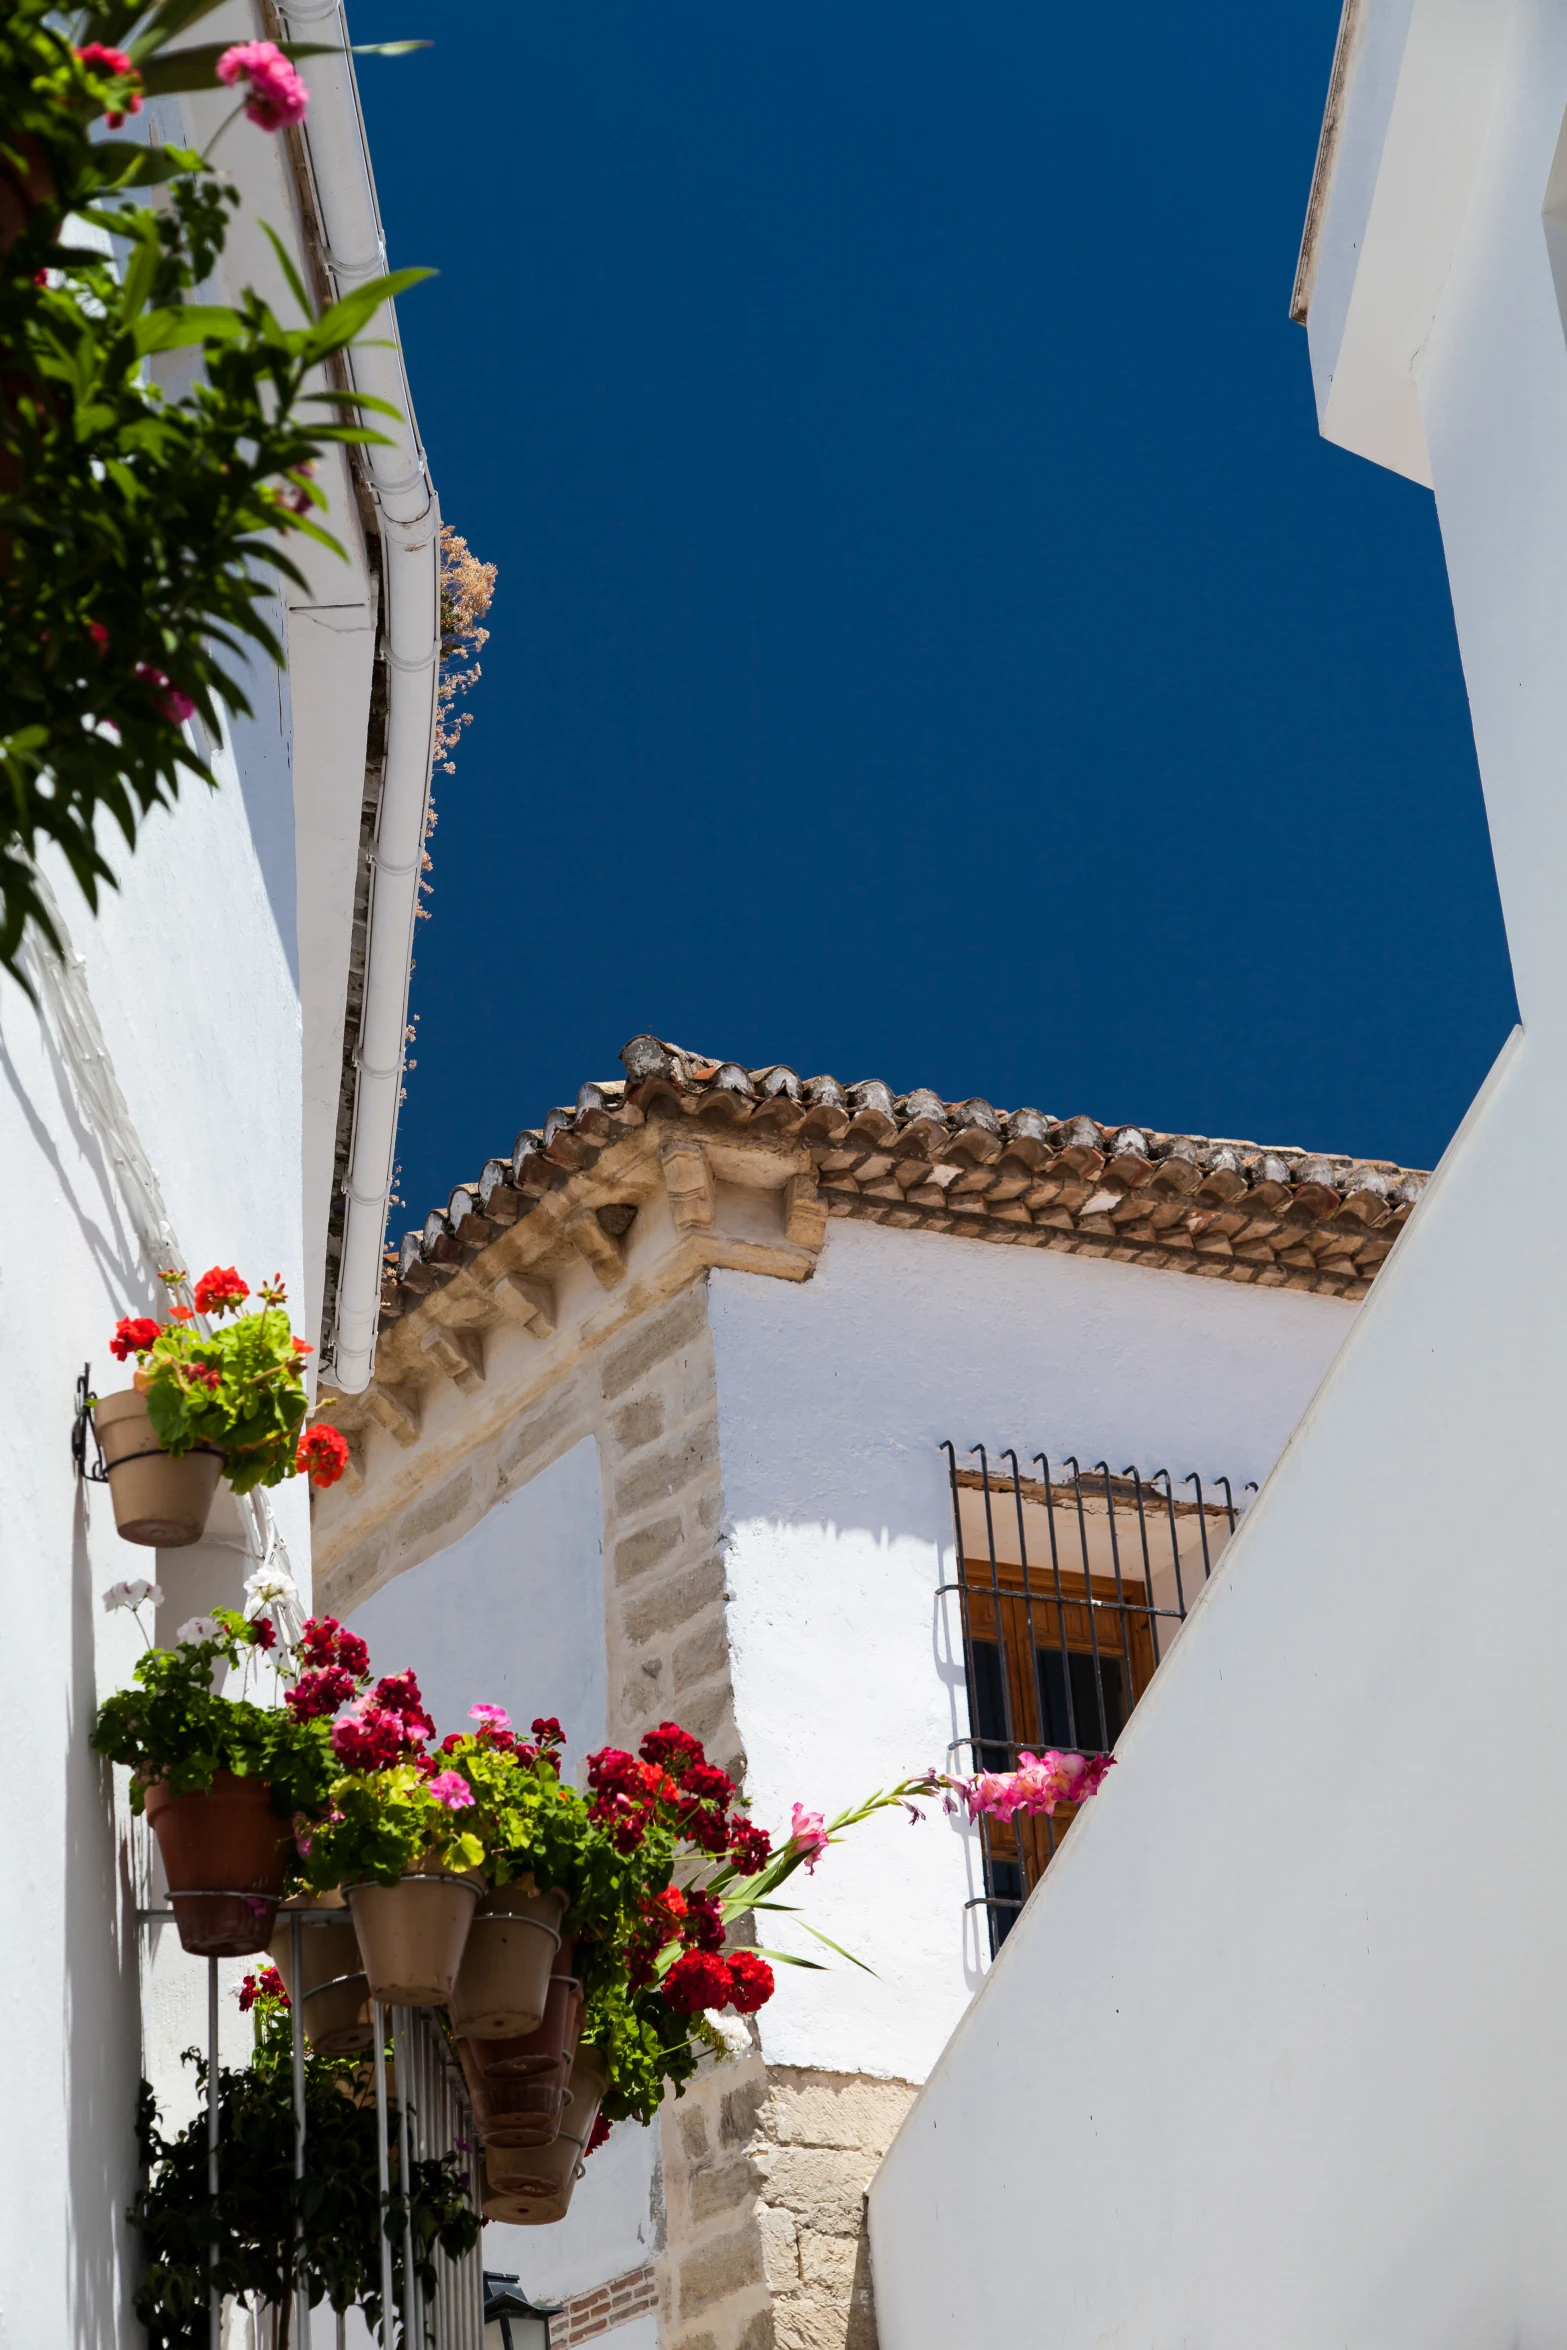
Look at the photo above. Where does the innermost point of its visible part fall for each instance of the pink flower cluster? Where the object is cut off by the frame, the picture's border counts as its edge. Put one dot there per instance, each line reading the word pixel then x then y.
pixel 1039 1783
pixel 277 95
pixel 808 1833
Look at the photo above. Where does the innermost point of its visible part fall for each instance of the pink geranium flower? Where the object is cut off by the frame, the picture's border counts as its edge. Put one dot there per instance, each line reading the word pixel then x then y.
pixel 490 1717
pixel 277 95
pixel 808 1832
pixel 176 707
pixel 452 1789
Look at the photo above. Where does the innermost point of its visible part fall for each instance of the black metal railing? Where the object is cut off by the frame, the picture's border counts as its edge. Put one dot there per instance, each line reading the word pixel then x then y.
pixel 1072 1585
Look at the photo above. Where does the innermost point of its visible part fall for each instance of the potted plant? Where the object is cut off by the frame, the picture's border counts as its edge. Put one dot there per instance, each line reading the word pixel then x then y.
pixel 206 1404
pixel 268 2231
pixel 332 1989
pixel 519 1813
pixel 220 1778
pixel 391 1831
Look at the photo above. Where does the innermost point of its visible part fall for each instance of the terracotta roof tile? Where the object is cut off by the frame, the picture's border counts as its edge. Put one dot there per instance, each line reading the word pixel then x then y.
pixel 1240 1211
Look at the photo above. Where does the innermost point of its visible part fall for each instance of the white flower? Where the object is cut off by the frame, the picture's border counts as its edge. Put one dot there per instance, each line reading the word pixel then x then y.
pixel 131 1595
pixel 270 1586
pixel 198 1628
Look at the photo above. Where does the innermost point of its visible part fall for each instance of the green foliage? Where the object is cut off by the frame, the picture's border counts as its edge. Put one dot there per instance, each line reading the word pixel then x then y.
pixel 645 2048
pixel 241 1388
pixel 381 1824
pixel 172 1726
pixel 259 2201
pixel 140 523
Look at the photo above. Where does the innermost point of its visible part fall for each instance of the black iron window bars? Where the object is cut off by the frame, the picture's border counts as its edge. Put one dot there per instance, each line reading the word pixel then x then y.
pixel 433 2115
pixel 1072 1584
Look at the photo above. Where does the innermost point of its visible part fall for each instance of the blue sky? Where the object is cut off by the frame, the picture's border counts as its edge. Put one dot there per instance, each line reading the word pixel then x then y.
pixel 931 640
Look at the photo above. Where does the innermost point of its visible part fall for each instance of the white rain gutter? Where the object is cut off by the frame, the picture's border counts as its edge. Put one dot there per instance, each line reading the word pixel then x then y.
pixel 339 156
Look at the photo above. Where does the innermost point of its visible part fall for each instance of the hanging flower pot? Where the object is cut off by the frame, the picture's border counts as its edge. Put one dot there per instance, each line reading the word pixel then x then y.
pixel 511 2112
pixel 543 2054
pixel 224 1855
pixel 207 1404
pixel 504 1983
pixel 160 1499
pixel 332 1993
pixel 412 1934
pixel 530 2187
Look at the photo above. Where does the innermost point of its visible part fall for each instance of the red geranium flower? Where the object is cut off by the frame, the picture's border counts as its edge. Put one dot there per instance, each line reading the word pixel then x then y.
pixel 114 61
pixel 218 1289
pixel 320 1690
pixel 132 1337
pixel 697 1980
pixel 596 2136
pixel 399 1694
pixel 267 1985
pixel 673 1747
pixel 323 1453
pixel 704 1921
pixel 750 1847
pixel 263 1632
pixel 750 1982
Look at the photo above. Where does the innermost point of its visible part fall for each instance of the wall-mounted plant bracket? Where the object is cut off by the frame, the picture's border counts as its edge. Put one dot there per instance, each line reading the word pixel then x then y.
pixel 83 1426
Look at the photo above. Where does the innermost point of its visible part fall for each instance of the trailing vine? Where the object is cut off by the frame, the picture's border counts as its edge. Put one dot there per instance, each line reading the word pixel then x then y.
pixel 141 529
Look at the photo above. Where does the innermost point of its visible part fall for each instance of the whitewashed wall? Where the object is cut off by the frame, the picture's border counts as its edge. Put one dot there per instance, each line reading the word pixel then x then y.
pixel 834 1396
pixel 512 1613
pixel 1310 2086
pixel 194 967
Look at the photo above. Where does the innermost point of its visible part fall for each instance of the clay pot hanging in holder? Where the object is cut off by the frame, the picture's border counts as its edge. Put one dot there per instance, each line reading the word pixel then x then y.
pixel 333 1993
pixel 224 1855
pixel 160 1500
pixel 530 2187
pixel 503 1986
pixel 412 1934
pixel 546 2052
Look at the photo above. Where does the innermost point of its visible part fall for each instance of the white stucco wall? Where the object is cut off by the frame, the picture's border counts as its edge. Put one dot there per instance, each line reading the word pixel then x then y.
pixel 834 1396
pixel 512 1613
pixel 1310 2088
pixel 193 966
pixel 611 2228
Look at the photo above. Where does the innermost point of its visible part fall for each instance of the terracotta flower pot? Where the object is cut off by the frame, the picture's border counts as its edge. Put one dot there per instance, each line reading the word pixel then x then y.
pixel 333 1992
pixel 541 2055
pixel 158 1500
pixel 530 2187
pixel 411 1934
pixel 510 2112
pixel 224 1855
pixel 503 1985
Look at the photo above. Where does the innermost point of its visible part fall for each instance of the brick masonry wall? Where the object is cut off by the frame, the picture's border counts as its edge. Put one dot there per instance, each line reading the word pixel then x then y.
pixel 587 2316
pixel 765 2173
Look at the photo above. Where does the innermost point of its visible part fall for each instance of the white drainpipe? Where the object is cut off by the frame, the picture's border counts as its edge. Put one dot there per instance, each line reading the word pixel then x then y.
pixel 410 519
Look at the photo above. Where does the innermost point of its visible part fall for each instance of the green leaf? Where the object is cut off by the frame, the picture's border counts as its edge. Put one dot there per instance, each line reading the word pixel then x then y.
pixel 386 48
pixel 788 1958
pixel 196 68
pixel 339 325
pixel 838 1947
pixel 171 17
pixel 291 276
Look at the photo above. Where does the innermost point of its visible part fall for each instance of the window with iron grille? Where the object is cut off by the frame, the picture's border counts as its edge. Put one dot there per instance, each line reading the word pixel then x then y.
pixel 1072 1584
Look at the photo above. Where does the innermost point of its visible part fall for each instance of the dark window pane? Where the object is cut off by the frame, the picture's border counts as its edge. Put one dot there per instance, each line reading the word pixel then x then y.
pixel 988 1706
pixel 1004 1883
pixel 1085 1727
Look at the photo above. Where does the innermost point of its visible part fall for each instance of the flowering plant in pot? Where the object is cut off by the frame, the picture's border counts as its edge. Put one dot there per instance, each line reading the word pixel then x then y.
pixel 220 1778
pixel 207 1402
pixel 266 2230
pixel 391 1829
